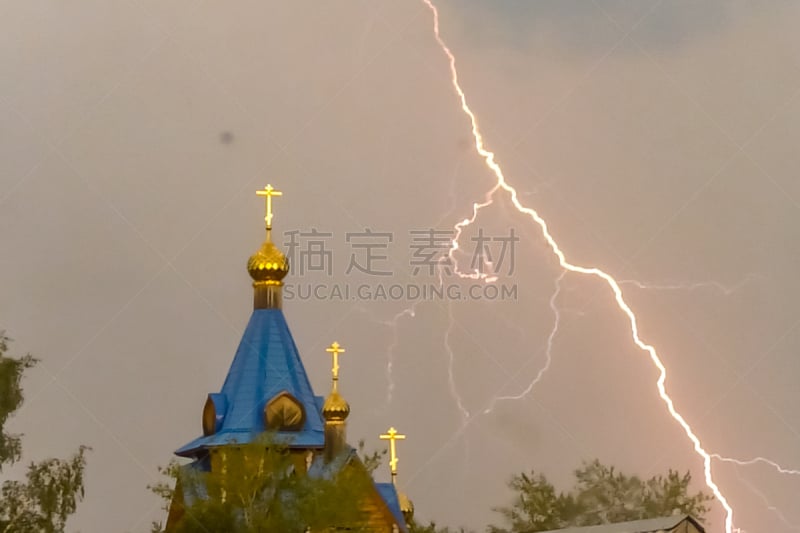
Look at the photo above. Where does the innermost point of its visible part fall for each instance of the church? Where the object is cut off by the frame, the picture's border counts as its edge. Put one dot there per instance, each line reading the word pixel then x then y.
pixel 267 393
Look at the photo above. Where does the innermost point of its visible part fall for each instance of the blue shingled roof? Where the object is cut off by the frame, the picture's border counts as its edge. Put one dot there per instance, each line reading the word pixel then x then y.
pixel 266 363
pixel 323 469
pixel 389 494
pixel 387 491
pixel 191 490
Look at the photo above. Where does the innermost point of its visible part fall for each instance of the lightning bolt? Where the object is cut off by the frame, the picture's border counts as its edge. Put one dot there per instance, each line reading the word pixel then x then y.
pixel 489 158
pixel 756 460
pixel 774 465
pixel 450 364
pixel 548 350
pixel 767 503
pixel 724 289
pixel 394 324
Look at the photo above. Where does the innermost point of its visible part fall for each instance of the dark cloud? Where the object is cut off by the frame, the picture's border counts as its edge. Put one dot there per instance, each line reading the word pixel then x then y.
pixel 581 25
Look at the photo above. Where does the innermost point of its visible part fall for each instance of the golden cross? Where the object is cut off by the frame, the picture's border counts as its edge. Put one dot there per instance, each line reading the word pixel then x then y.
pixel 392 435
pixel 269 192
pixel 335 349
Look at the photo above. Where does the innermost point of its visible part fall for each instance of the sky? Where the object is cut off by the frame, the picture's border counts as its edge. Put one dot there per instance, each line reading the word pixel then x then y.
pixel 657 139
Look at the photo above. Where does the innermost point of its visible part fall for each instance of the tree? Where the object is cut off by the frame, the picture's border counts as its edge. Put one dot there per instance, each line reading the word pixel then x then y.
pixel 601 495
pixel 262 489
pixel 53 487
pixel 431 527
pixel 536 506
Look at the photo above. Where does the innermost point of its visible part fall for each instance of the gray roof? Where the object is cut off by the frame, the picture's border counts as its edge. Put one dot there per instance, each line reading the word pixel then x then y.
pixel 650 525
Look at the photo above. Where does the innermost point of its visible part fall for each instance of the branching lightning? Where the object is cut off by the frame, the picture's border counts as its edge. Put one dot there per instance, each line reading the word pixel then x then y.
pixel 489 158
pixel 548 349
pixel 767 503
pixel 715 285
pixel 410 311
pixel 770 463
pixel 450 365
pixel 754 461
pixel 393 323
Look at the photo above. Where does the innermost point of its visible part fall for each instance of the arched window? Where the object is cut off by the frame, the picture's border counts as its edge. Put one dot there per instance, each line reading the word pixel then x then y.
pixel 284 413
pixel 214 413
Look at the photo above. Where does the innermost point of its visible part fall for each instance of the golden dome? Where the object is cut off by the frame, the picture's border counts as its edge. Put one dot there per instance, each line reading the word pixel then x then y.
pixel 406 505
pixel 268 263
pixel 335 408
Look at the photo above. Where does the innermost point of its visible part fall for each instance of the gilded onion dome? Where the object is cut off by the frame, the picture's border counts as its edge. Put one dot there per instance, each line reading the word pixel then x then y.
pixel 268 264
pixel 335 408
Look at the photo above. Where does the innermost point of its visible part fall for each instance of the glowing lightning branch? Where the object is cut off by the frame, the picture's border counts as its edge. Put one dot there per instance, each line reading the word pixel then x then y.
pixel 548 350
pixel 724 289
pixel 767 503
pixel 450 364
pixel 761 460
pixel 754 461
pixel 411 311
pixel 489 158
pixel 393 323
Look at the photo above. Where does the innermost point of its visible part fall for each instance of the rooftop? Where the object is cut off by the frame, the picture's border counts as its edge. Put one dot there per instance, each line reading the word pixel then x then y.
pixel 266 364
pixel 651 525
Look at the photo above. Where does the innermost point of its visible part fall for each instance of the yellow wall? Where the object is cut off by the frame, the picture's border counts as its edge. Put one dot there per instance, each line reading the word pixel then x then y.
pixel 378 518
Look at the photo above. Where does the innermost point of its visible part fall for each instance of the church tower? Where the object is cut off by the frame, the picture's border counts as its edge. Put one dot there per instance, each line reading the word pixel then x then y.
pixel 335 411
pixel 406 505
pixel 267 391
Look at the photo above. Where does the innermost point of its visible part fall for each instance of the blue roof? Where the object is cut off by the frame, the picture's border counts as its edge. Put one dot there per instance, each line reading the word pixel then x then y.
pixel 321 468
pixel 266 363
pixel 190 490
pixel 387 491
pixel 389 495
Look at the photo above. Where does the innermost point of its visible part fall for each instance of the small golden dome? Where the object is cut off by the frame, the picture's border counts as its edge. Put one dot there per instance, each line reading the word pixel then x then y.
pixel 335 408
pixel 406 505
pixel 268 263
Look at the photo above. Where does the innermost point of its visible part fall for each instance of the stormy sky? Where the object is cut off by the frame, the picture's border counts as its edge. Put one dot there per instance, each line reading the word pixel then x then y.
pixel 658 140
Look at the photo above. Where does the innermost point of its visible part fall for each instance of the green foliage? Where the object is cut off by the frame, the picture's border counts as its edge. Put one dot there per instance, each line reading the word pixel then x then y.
pixel 46 499
pixel 536 506
pixel 601 495
pixel 10 400
pixel 264 488
pixel 431 527
pixel 53 487
pixel 371 460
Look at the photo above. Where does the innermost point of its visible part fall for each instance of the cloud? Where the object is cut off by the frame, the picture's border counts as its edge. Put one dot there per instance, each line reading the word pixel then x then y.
pixel 582 26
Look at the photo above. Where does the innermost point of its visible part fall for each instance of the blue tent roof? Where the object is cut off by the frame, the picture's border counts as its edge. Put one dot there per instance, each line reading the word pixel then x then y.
pixel 389 495
pixel 266 364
